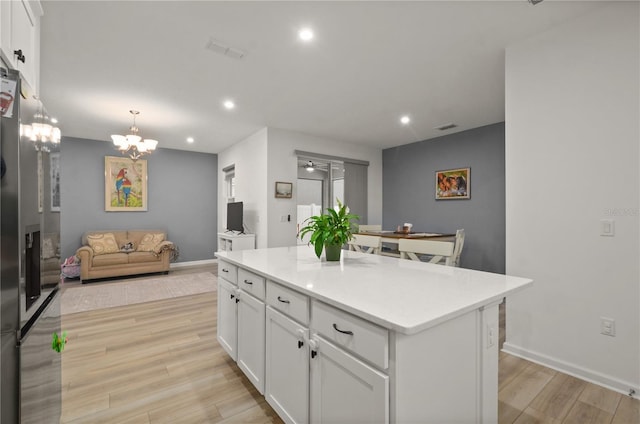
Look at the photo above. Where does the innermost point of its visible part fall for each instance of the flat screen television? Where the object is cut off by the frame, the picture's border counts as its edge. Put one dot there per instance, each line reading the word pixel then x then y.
pixel 234 217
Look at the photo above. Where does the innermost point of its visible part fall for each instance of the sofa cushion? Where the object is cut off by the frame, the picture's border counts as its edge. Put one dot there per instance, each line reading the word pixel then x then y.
pixel 143 257
pixel 103 243
pixel 149 242
pixel 110 259
pixel 48 249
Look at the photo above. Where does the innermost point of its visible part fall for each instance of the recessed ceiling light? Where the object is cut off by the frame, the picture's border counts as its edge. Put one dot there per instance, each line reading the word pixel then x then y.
pixel 190 140
pixel 229 104
pixel 305 34
pixel 405 120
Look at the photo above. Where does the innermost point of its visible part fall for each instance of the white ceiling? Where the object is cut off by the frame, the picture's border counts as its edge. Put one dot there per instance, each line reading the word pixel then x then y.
pixel 370 62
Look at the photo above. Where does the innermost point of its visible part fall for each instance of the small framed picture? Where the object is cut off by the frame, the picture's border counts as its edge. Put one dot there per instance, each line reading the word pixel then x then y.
pixel 453 184
pixel 284 190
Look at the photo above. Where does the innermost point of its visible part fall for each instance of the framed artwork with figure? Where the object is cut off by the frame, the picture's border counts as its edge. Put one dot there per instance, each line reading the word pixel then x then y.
pixel 453 184
pixel 125 184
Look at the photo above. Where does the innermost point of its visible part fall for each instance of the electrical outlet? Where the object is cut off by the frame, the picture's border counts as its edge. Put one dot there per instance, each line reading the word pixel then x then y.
pixel 607 227
pixel 492 335
pixel 608 326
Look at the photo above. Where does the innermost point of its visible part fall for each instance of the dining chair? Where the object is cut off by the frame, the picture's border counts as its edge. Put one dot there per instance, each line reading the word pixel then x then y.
pixel 373 227
pixel 457 249
pixel 437 252
pixel 365 244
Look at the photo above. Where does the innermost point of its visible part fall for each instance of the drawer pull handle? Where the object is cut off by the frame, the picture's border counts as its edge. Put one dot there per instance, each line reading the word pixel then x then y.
pixel 225 270
pixel 248 282
pixel 313 354
pixel 283 300
pixel 335 327
pixel 300 344
pixel 232 296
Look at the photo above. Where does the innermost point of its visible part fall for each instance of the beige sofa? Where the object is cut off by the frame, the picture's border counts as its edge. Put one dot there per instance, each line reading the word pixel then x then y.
pixel 50 267
pixel 116 253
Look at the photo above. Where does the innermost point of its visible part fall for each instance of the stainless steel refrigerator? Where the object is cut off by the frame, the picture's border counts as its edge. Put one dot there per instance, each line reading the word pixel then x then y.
pixel 30 370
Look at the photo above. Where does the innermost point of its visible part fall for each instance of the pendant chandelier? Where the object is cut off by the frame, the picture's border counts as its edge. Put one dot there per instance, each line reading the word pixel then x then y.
pixel 132 144
pixel 44 135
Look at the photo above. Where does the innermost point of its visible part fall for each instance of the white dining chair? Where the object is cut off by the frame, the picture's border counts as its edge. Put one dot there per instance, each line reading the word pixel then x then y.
pixel 369 227
pixel 437 252
pixel 457 248
pixel 365 244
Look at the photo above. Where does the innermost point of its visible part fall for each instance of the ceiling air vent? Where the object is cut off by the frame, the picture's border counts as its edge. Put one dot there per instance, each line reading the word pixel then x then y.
pixel 446 127
pixel 218 46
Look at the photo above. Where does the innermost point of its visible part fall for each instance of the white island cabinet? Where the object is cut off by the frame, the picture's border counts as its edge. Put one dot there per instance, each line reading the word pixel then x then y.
pixel 368 339
pixel 227 331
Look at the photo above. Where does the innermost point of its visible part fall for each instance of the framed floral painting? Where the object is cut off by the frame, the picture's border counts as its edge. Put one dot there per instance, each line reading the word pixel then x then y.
pixel 453 184
pixel 125 184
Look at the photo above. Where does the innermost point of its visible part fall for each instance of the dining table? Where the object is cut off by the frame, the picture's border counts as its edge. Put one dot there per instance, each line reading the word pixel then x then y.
pixel 391 237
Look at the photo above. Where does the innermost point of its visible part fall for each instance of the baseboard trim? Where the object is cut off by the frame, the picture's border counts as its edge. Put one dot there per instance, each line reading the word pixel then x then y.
pixel 594 377
pixel 193 263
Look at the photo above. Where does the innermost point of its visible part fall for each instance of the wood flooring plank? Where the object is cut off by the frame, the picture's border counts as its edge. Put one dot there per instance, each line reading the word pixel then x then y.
pixel 510 367
pixel 531 416
pixel 522 389
pixel 601 398
pixel 259 414
pixel 628 411
pixel 557 397
pixel 78 404
pixel 507 414
pixel 583 413
pixel 138 419
pixel 236 405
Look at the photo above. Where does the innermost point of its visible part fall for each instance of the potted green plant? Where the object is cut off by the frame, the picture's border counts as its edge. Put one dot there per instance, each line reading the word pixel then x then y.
pixel 330 231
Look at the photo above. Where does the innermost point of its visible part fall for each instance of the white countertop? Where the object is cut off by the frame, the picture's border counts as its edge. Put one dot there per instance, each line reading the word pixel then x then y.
pixel 399 294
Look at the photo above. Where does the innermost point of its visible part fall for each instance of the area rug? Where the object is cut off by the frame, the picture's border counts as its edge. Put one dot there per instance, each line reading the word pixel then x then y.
pixel 92 296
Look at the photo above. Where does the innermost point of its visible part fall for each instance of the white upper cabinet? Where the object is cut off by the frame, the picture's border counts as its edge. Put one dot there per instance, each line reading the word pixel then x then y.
pixel 20 38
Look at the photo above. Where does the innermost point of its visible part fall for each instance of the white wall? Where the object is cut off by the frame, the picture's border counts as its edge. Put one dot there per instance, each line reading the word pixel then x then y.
pixel 283 167
pixel 572 159
pixel 249 157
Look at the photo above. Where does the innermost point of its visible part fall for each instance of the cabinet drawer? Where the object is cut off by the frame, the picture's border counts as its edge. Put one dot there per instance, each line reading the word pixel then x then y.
pixel 251 283
pixel 228 272
pixel 288 301
pixel 364 338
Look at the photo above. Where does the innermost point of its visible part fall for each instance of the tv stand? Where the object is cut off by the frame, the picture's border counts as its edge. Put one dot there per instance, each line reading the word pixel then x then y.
pixel 229 241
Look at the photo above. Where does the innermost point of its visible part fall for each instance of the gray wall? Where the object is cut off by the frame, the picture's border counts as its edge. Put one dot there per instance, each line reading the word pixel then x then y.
pixel 408 175
pixel 182 197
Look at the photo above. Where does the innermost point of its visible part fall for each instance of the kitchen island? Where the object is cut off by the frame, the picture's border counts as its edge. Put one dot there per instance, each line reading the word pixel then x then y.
pixel 367 339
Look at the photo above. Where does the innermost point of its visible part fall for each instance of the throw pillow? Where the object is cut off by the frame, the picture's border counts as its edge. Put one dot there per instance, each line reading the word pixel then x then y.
pixel 103 243
pixel 150 241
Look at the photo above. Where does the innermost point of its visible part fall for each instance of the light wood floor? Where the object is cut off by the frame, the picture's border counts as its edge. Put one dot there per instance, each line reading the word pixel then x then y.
pixel 159 362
